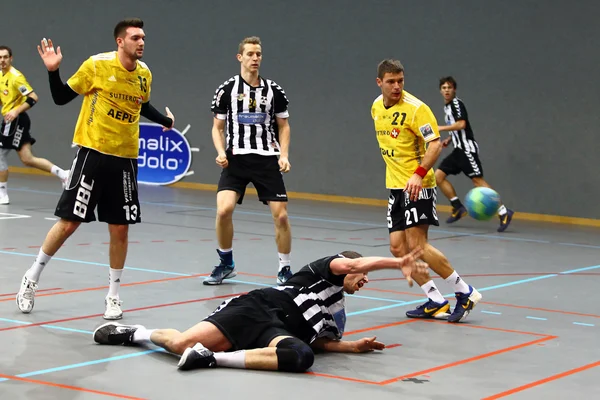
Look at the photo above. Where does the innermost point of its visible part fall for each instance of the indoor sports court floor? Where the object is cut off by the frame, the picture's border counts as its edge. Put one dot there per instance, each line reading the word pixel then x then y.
pixel 534 335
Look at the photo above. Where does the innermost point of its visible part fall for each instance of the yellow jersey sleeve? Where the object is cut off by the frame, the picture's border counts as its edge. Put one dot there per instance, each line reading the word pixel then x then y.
pixel 22 85
pixel 82 81
pixel 425 124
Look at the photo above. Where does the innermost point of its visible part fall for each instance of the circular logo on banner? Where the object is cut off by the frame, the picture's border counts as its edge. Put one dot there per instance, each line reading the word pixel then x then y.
pixel 164 157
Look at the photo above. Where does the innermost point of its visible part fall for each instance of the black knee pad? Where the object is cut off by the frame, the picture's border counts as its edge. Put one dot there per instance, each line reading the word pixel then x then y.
pixel 293 355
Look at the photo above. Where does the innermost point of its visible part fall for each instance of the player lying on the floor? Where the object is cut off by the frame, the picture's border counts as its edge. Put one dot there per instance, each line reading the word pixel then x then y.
pixel 274 328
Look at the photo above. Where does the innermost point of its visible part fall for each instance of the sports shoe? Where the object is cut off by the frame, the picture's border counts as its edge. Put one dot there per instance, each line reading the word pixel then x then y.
pixel 219 273
pixel 464 304
pixel 113 308
pixel 505 220
pixel 114 333
pixel 457 213
pixel 284 274
pixel 4 200
pixel 431 309
pixel 197 357
pixel 26 295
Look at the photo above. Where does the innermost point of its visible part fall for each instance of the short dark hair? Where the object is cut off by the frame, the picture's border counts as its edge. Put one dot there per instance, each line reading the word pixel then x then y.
pixel 7 49
pixel 448 79
pixel 350 254
pixel 248 40
pixel 389 66
pixel 127 23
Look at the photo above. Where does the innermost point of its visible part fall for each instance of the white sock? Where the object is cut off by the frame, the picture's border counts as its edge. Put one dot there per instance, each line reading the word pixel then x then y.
pixel 432 292
pixel 61 173
pixel 284 260
pixel 3 189
pixel 225 250
pixel 457 283
pixel 114 282
pixel 454 198
pixel 142 335
pixel 236 359
pixel 502 210
pixel 36 269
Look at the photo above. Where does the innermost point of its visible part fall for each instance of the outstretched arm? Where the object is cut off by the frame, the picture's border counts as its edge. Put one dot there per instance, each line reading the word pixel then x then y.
pixel 408 264
pixel 363 345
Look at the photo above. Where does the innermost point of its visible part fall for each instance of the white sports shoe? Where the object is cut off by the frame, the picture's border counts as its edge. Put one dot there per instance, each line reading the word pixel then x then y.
pixel 113 308
pixel 26 295
pixel 4 200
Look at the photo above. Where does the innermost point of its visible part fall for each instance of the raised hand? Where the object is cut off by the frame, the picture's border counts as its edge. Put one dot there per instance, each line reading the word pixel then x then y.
pixel 170 115
pixel 50 57
pixel 409 264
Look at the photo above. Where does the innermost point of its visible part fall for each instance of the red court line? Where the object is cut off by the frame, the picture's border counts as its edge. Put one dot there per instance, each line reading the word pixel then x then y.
pixel 391 346
pixel 57 321
pixel 489 328
pixel 373 328
pixel 43 290
pixel 343 378
pixel 543 338
pixel 542 309
pixel 467 360
pixel 542 381
pixel 61 386
pixel 106 287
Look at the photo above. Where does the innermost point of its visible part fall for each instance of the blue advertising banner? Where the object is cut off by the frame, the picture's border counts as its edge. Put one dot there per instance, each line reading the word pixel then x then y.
pixel 164 157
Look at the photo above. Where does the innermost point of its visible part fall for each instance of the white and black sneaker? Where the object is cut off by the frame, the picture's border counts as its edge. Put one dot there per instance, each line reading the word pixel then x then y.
pixel 113 308
pixel 114 333
pixel 26 296
pixel 197 357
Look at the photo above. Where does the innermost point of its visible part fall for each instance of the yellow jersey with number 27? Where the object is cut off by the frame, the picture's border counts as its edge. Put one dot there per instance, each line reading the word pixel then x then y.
pixel 402 132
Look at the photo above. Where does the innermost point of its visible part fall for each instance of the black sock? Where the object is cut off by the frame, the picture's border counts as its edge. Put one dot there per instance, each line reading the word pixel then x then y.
pixel 456 204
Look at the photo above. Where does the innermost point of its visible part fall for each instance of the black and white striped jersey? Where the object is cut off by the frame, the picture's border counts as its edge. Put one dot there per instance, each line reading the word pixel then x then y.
pixel 250 114
pixel 319 294
pixel 464 138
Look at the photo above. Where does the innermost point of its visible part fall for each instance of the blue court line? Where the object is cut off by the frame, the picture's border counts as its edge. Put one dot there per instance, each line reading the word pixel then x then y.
pixel 581 323
pixel 88 363
pixel 491 312
pixel 13 253
pixel 60 328
pixel 519 282
pixel 538 318
pixel 580 245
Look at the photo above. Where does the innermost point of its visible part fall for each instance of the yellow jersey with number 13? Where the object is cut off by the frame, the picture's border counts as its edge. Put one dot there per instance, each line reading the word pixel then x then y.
pixel 402 132
pixel 110 114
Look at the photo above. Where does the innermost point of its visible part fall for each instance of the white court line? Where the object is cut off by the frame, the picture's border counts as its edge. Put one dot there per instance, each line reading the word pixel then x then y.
pixel 13 216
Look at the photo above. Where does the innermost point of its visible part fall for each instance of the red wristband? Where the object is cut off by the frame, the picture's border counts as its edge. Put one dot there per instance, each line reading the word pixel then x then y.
pixel 421 171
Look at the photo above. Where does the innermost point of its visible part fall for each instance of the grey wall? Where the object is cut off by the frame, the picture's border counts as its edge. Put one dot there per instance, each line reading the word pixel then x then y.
pixel 526 71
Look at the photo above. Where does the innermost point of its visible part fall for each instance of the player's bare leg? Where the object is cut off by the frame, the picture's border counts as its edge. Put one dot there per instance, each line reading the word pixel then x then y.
pixel 205 346
pixel 55 238
pixel 226 201
pixel 117 254
pixel 28 159
pixel 283 239
pixel 437 306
